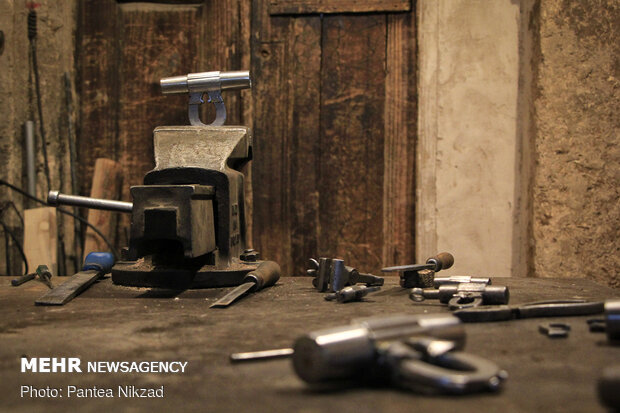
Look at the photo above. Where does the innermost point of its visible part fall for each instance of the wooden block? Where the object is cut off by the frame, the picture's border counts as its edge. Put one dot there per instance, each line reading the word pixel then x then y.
pixel 107 181
pixel 40 238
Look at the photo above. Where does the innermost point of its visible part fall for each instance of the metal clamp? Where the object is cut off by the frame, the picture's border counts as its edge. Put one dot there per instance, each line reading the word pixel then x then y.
pixel 211 83
pixel 418 365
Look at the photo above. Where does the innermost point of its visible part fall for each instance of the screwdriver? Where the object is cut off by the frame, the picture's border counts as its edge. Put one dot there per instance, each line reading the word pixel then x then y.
pixel 265 275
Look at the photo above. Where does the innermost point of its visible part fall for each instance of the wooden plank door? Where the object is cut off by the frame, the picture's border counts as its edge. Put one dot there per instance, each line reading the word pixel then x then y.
pixel 334 125
pixel 333 110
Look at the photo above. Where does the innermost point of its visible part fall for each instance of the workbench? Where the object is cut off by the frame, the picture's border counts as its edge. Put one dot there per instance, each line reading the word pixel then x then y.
pixel 112 323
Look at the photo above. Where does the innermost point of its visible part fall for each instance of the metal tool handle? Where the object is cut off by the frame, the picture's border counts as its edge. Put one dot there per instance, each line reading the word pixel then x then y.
pixel 55 198
pixel 265 275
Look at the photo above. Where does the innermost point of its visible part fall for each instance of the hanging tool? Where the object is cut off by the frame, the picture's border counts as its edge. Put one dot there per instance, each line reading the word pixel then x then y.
pixel 554 308
pixel 412 352
pixel 422 275
pixel 463 295
pixel 32 38
pixel 351 293
pixel 96 265
pixel 330 274
pixel 42 272
pixel 265 275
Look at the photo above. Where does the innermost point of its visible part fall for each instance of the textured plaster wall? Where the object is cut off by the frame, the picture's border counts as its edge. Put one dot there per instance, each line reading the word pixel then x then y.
pixel 576 174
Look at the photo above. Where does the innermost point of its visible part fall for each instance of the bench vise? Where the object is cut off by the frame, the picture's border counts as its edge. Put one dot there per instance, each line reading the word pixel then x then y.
pixel 188 227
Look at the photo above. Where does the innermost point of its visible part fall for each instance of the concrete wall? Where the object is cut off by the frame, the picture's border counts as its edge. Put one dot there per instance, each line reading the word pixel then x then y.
pixel 469 55
pixel 518 158
pixel 576 125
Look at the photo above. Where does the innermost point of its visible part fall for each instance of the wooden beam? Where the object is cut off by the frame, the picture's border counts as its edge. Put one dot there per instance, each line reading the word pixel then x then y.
pixel 339 6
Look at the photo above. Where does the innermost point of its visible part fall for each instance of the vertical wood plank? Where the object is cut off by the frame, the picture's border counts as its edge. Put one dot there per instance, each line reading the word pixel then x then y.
pixel 107 184
pixel 98 86
pixel 157 41
pixel 352 139
pixel 400 134
pixel 304 95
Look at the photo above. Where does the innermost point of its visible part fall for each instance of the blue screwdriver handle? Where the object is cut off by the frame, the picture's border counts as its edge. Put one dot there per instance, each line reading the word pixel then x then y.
pixel 99 261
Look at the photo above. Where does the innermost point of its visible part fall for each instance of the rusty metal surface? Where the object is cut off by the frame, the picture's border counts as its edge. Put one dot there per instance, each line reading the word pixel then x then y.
pixel 116 323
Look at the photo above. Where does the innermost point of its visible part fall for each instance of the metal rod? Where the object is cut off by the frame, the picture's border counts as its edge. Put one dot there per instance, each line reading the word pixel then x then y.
pixel 30 159
pixel 56 198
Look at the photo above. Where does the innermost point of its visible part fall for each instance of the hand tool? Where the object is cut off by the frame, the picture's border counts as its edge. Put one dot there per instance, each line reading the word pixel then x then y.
pixel 554 308
pixel 188 224
pixel 331 274
pixel 42 272
pixel 351 293
pixel 421 275
pixel 459 279
pixel 463 295
pixel 96 264
pixel 554 330
pixel 265 275
pixel 412 352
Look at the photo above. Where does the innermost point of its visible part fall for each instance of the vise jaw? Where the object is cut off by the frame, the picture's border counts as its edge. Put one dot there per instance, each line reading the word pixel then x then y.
pixel 188 225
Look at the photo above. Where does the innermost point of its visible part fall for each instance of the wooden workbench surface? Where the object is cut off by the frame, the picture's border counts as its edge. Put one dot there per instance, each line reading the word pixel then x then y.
pixel 112 323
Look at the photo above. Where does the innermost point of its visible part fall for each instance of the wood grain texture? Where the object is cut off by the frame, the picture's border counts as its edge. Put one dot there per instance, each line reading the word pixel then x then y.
pixel 97 136
pixel 400 138
pixel 303 120
pixel 40 238
pixel 107 184
pixel 352 139
pixel 337 6
pixel 157 41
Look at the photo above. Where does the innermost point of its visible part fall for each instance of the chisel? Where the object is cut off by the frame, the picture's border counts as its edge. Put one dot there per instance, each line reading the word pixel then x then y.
pixel 265 275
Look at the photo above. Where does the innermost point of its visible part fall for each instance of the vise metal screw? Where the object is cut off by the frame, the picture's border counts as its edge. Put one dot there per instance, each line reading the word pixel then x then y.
pixel 422 275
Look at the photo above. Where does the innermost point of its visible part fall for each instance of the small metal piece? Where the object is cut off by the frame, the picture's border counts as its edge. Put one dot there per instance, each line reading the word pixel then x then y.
pixel 23 279
pixel 609 387
pixel 459 279
pixel 261 355
pixel 596 325
pixel 612 319
pixel 464 295
pixel 249 255
pixel 45 275
pixel 55 198
pixel 42 272
pixel 555 330
pixel 211 83
pixel 351 293
pixel 333 275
